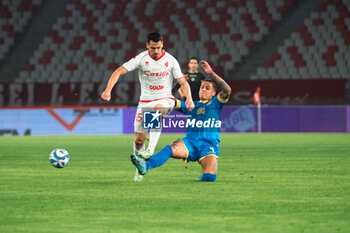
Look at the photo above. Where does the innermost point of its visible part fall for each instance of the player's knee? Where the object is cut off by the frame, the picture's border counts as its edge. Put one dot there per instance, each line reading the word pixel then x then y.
pixel 208 177
pixel 160 108
pixel 174 145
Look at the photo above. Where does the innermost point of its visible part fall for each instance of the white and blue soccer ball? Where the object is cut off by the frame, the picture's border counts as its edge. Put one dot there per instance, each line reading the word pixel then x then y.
pixel 59 158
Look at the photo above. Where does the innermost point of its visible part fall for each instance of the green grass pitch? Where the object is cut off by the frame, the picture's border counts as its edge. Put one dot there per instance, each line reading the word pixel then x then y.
pixel 266 183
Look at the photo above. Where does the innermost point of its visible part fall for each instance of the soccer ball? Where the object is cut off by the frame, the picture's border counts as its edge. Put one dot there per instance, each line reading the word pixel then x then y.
pixel 59 158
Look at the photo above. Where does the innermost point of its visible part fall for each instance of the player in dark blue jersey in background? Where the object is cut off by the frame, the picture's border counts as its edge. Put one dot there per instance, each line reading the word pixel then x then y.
pixel 202 135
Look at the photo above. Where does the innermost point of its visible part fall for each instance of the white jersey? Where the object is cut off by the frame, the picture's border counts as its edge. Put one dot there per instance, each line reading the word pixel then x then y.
pixel 156 76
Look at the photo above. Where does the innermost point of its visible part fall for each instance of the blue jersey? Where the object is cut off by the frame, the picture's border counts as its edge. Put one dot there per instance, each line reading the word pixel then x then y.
pixel 203 122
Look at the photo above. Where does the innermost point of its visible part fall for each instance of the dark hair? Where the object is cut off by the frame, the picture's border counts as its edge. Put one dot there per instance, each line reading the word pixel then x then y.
pixel 212 82
pixel 154 36
pixel 194 58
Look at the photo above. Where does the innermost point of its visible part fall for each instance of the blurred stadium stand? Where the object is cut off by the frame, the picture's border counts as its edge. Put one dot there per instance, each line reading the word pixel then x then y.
pixel 243 39
pixel 14 17
pixel 92 36
pixel 319 48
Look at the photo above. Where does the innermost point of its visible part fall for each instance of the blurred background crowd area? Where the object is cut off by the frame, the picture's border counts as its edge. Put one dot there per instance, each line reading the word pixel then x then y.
pixel 63 51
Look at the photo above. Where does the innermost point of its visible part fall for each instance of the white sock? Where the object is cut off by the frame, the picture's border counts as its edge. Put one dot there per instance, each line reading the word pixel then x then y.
pixel 136 150
pixel 153 139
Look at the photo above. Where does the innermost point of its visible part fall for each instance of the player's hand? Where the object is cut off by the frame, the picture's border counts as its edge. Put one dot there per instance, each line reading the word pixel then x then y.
pixel 206 67
pixel 189 105
pixel 106 96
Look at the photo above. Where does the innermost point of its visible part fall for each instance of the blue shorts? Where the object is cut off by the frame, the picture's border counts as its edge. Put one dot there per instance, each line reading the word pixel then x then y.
pixel 200 148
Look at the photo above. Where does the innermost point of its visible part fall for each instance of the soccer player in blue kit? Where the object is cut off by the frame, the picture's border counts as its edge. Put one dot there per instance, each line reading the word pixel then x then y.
pixel 201 143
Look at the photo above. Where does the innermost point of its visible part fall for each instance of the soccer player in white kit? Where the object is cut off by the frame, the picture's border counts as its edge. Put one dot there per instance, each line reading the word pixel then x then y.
pixel 157 70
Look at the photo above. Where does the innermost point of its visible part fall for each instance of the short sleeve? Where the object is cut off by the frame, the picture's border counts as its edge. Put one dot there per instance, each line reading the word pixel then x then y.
pixel 224 101
pixel 219 102
pixel 180 106
pixel 133 63
pixel 177 73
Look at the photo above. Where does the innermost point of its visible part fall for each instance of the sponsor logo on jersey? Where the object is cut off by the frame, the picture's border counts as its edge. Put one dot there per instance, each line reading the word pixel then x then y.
pixel 160 74
pixel 160 87
pixel 201 111
pixel 166 64
pixel 147 63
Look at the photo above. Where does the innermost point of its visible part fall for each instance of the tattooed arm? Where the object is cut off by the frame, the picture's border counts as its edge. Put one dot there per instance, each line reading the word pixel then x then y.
pixel 225 88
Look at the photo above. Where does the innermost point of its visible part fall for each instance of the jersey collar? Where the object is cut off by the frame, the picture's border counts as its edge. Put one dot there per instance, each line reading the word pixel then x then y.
pixel 149 54
pixel 204 101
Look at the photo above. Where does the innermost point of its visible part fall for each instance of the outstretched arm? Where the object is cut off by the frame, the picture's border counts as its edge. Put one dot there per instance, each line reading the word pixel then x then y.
pixel 106 95
pixel 225 88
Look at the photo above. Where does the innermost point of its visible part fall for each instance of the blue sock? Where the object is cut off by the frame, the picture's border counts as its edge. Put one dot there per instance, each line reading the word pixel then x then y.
pixel 208 177
pixel 160 158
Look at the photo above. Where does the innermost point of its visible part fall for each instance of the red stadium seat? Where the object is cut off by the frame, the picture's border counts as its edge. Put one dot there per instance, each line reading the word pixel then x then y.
pixel 113 66
pixel 71 67
pixel 29 67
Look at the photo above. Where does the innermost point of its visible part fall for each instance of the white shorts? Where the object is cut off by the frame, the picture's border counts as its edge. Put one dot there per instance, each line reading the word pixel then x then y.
pixel 167 103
